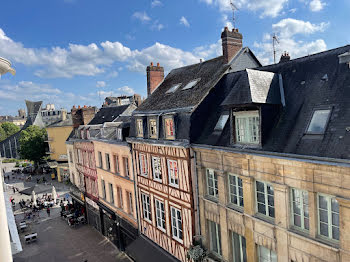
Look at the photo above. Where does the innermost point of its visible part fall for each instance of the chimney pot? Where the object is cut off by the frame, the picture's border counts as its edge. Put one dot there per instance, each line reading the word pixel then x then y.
pixel 151 63
pixel 284 57
pixel 74 107
pixel 79 107
pixel 158 65
pixel 155 76
pixel 85 106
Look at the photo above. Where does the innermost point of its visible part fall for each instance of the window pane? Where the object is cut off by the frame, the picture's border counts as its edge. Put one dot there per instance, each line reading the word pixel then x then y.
pixel 269 190
pixel 261 208
pixel 297 220
pixel 271 212
pixel 261 197
pixel 335 233
pixel 322 202
pixel 335 205
pixel 335 219
pixel 296 208
pixel 323 216
pixel 260 186
pixel 318 121
pixel 306 223
pixel 270 200
pixel 324 229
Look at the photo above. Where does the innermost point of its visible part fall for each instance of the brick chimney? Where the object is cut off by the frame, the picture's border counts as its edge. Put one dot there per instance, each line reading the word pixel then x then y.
pixel 231 43
pixel 155 75
pixel 82 115
pixel 285 57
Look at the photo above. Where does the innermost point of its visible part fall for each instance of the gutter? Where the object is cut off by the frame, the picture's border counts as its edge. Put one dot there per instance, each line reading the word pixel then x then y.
pixel 296 157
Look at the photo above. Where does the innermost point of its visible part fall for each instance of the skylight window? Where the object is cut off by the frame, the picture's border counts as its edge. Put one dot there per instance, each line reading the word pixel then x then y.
pixel 221 122
pixel 319 121
pixel 191 84
pixel 173 88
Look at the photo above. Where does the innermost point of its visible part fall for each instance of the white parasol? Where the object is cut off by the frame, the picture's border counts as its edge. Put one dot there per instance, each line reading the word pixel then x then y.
pixel 34 198
pixel 54 194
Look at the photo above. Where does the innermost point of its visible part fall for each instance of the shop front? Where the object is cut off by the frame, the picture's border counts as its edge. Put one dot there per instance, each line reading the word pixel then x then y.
pixel 93 214
pixel 78 201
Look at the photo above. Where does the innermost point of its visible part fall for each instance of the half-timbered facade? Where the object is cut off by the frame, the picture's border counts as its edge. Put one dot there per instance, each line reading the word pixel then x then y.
pixel 161 132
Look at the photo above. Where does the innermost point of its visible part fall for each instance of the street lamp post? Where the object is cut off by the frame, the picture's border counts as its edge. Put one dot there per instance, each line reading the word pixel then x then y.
pixel 5 244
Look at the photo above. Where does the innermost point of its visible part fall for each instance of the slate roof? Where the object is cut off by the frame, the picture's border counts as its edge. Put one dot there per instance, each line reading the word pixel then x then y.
pixel 255 87
pixel 108 114
pixel 67 122
pixel 312 82
pixel 209 72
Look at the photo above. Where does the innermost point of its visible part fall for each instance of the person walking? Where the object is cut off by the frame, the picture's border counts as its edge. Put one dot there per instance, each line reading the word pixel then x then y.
pixel 48 211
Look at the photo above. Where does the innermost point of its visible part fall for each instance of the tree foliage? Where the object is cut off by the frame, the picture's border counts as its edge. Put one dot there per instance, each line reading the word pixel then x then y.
pixel 32 143
pixel 7 129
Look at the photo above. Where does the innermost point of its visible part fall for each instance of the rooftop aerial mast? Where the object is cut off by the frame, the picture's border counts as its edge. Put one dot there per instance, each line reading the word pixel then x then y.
pixel 234 8
pixel 274 42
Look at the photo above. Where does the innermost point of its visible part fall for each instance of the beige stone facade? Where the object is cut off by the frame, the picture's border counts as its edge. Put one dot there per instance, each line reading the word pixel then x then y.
pixel 121 179
pixel 277 234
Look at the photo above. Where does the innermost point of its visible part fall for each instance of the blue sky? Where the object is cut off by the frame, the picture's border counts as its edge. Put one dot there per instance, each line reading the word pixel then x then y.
pixel 76 52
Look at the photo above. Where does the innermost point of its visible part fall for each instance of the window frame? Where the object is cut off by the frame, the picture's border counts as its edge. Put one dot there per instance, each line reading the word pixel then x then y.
pixel 217 238
pixel 310 120
pixel 214 182
pixel 161 212
pixel 126 166
pixel 108 162
pixel 157 176
pixel 170 179
pixel 103 187
pixel 145 174
pixel 130 203
pixel 166 135
pixel 270 255
pixel 116 164
pixel 151 121
pixel 147 210
pixel 302 210
pixel 178 225
pixel 242 250
pixel 100 160
pixel 329 218
pixel 139 127
pixel 120 197
pixel 111 193
pixel 246 115
pixel 236 189
pixel 266 203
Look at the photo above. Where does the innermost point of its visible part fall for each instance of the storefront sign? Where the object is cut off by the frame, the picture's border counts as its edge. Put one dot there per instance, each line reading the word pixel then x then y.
pixel 91 203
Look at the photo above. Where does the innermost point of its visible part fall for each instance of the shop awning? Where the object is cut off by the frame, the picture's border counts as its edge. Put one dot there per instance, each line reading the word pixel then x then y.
pixel 142 249
pixel 76 198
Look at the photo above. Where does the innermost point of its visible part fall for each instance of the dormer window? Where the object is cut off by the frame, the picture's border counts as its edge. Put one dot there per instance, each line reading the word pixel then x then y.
pixel 139 127
pixel 318 122
pixel 119 134
pixel 152 124
pixel 169 128
pixel 247 127
pixel 173 88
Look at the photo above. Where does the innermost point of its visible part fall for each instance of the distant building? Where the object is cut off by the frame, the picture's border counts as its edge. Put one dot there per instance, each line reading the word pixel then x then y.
pixel 123 100
pixel 19 120
pixel 57 134
pixel 9 147
pixel 50 115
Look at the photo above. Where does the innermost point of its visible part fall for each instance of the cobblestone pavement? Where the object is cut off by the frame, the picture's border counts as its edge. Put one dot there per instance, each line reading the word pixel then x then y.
pixel 57 242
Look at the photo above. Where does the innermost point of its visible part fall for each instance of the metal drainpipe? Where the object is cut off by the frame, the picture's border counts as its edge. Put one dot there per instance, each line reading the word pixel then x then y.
pixel 135 188
pixel 5 244
pixel 196 193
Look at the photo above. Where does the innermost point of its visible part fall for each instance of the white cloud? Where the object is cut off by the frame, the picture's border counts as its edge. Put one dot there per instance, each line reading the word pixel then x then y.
pixel 113 74
pixel 155 3
pixel 92 59
pixel 271 8
pixel 316 5
pixel 142 16
pixel 289 27
pixel 183 21
pixel 286 30
pixel 157 26
pixel 125 90
pixel 100 84
pixel 208 51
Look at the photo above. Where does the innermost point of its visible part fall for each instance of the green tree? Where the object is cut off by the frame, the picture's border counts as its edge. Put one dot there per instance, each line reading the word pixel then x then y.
pixel 32 143
pixel 2 134
pixel 9 128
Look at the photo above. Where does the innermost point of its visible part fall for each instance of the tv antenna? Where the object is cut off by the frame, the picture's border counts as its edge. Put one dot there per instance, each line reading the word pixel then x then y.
pixel 274 42
pixel 234 8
